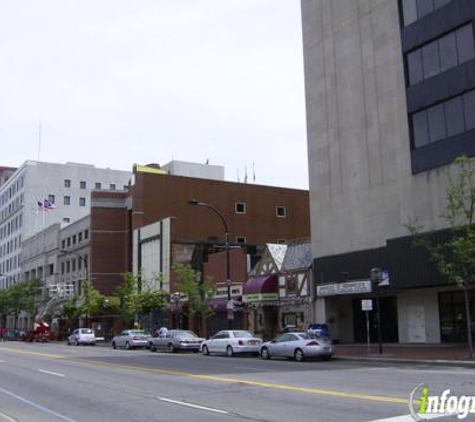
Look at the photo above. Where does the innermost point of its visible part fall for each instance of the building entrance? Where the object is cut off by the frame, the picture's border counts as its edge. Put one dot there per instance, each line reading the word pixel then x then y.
pixel 389 327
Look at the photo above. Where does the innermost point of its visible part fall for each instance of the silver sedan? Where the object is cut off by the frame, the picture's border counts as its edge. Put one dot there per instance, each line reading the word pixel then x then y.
pixel 298 346
pixel 130 339
pixel 231 342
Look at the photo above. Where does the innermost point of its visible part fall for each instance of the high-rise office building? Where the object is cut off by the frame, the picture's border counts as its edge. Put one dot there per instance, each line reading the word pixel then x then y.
pixel 390 95
pixel 39 194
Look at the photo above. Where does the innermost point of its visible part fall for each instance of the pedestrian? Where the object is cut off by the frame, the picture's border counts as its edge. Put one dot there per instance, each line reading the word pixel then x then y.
pixel 3 333
pixel 162 332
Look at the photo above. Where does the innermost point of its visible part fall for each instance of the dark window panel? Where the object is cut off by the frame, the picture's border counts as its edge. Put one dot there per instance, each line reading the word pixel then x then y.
pixel 414 62
pixel 440 3
pixel 448 52
pixel 469 106
pixel 424 7
pixel 454 116
pixel 436 120
pixel 420 129
pixel 409 8
pixel 430 58
pixel 465 45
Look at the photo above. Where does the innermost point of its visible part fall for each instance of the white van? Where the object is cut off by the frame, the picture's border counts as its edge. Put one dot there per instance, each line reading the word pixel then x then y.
pixel 82 336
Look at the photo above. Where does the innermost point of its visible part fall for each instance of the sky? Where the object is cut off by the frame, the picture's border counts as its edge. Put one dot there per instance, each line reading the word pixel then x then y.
pixel 116 82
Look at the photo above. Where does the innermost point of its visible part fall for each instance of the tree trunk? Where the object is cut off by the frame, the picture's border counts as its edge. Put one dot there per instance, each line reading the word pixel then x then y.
pixel 468 317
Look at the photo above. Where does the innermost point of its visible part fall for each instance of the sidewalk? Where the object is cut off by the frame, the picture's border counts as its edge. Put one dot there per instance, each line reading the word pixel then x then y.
pixel 454 354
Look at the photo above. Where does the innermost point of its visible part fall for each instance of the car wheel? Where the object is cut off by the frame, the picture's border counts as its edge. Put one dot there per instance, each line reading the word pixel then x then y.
pixel 265 353
pixel 171 348
pixel 326 358
pixel 69 343
pixel 127 345
pixel 205 350
pixel 114 346
pixel 153 348
pixel 298 355
pixel 229 351
pixel 77 343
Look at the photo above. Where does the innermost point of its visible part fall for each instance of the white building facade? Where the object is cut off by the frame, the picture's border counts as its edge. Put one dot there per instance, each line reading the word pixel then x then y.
pixel 66 186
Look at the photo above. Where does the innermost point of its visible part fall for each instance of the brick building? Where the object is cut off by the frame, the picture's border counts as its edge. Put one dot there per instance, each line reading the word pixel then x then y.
pixel 123 222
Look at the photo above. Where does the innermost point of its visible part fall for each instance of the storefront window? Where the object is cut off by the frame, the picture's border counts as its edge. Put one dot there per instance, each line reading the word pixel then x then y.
pixel 453 322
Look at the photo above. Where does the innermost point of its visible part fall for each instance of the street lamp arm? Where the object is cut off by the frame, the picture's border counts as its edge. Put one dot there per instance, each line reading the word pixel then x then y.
pixel 194 202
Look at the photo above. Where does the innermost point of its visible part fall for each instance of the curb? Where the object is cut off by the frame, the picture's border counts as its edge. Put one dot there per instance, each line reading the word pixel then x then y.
pixel 441 362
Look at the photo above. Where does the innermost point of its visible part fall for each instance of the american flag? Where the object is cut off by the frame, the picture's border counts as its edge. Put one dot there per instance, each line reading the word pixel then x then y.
pixel 48 205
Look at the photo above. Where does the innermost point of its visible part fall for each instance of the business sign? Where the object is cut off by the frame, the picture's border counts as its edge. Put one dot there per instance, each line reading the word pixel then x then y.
pixel 348 288
pixel 258 297
pixel 366 305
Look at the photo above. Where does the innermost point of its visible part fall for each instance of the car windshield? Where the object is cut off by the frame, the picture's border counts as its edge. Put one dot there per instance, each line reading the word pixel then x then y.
pixel 242 334
pixel 87 331
pixel 186 334
pixel 303 336
pixel 136 332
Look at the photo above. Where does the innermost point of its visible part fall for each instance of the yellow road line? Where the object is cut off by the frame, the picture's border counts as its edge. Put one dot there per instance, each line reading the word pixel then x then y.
pixel 215 378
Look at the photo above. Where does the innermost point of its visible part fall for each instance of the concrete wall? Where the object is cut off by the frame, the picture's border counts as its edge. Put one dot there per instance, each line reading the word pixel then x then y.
pixel 202 171
pixel 362 191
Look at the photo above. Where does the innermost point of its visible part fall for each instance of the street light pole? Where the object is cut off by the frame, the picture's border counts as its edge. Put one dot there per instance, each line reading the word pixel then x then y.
pixel 194 202
pixel 376 277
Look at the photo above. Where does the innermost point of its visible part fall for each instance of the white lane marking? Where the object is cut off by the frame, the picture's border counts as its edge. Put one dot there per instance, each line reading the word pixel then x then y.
pixel 7 418
pixel 407 418
pixel 44 371
pixel 1 361
pixel 44 409
pixel 194 406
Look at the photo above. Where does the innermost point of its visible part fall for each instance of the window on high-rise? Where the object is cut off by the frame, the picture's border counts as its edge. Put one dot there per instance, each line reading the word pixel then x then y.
pixel 413 10
pixel 442 54
pixel 444 120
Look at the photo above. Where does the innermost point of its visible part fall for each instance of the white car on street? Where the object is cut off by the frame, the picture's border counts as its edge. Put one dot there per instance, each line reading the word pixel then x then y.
pixel 82 336
pixel 130 339
pixel 231 342
pixel 298 346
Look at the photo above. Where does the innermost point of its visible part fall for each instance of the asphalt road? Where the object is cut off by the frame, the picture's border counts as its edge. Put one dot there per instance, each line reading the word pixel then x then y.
pixel 54 382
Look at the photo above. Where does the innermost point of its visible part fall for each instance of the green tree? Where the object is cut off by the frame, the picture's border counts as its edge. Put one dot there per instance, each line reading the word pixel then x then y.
pixel 71 310
pixel 197 292
pixel 32 293
pixel 151 300
pixel 92 301
pixel 4 306
pixel 134 302
pixel 455 258
pixel 127 292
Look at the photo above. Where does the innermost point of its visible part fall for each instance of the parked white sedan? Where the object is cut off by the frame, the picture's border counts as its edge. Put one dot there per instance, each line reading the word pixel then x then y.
pixel 298 346
pixel 82 336
pixel 130 339
pixel 231 342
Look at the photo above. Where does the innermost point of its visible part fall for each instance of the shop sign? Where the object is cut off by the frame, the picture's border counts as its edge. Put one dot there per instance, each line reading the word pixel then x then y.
pixel 258 297
pixel 348 288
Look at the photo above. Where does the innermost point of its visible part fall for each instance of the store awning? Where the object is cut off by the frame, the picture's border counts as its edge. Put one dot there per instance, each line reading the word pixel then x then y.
pixel 258 289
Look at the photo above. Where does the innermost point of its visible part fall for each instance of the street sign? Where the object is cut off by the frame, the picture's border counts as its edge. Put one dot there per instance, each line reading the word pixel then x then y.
pixel 366 305
pixel 230 305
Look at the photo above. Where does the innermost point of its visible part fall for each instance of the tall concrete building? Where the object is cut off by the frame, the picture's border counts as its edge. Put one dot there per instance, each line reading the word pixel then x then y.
pixel 65 190
pixel 390 95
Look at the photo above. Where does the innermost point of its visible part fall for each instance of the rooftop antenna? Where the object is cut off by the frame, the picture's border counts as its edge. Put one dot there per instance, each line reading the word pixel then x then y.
pixel 253 173
pixel 239 181
pixel 245 174
pixel 39 140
